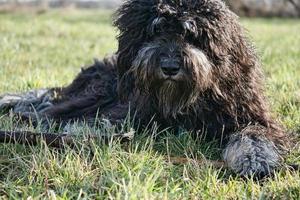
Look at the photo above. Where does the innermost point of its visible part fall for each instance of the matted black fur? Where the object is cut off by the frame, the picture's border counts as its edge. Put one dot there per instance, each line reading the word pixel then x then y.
pixel 182 63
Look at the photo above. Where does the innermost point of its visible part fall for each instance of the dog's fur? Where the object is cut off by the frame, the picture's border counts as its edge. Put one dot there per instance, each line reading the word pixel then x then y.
pixel 218 89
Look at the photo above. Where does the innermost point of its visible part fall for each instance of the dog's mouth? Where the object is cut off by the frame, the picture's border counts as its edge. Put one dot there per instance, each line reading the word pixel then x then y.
pixel 171 78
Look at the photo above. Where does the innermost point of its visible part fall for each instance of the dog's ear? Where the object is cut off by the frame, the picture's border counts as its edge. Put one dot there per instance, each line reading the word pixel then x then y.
pixel 223 38
pixel 126 86
pixel 132 20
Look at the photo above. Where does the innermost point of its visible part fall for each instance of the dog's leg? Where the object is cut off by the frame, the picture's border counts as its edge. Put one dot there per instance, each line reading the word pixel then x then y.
pixel 249 153
pixel 29 102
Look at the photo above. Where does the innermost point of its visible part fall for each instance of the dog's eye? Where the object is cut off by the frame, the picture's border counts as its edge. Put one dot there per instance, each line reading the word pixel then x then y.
pixel 189 26
pixel 158 25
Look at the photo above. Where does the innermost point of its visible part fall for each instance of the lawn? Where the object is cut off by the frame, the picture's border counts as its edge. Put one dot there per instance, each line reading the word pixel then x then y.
pixel 48 50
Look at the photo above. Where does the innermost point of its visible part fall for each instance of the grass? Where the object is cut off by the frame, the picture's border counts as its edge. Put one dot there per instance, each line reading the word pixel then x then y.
pixel 47 50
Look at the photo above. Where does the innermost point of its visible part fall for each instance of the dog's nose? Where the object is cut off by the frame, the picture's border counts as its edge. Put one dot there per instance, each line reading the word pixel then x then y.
pixel 169 67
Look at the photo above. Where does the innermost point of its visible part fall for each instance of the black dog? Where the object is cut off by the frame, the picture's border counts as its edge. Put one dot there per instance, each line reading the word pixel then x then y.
pixel 183 63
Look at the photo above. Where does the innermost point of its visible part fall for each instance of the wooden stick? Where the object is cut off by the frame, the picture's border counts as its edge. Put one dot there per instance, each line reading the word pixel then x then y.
pixel 52 139
pixel 184 160
pixel 62 140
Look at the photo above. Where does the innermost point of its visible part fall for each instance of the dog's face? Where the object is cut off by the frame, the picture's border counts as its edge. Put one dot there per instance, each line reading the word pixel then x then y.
pixel 174 49
pixel 170 69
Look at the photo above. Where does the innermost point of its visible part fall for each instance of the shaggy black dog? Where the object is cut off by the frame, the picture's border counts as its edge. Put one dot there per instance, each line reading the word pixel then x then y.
pixel 181 63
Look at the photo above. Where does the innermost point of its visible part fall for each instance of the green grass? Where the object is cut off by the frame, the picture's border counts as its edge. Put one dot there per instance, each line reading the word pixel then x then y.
pixel 47 50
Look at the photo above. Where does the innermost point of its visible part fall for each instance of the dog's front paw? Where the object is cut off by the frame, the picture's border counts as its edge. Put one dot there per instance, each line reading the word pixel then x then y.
pixel 249 155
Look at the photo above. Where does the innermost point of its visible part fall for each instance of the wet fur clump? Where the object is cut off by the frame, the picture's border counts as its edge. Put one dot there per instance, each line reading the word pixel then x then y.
pixel 187 64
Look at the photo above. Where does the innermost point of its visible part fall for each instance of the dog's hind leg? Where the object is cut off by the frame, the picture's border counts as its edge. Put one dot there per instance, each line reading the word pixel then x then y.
pixel 28 102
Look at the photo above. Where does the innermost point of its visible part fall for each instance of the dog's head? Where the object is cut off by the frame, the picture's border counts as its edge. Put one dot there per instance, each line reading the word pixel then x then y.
pixel 174 51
